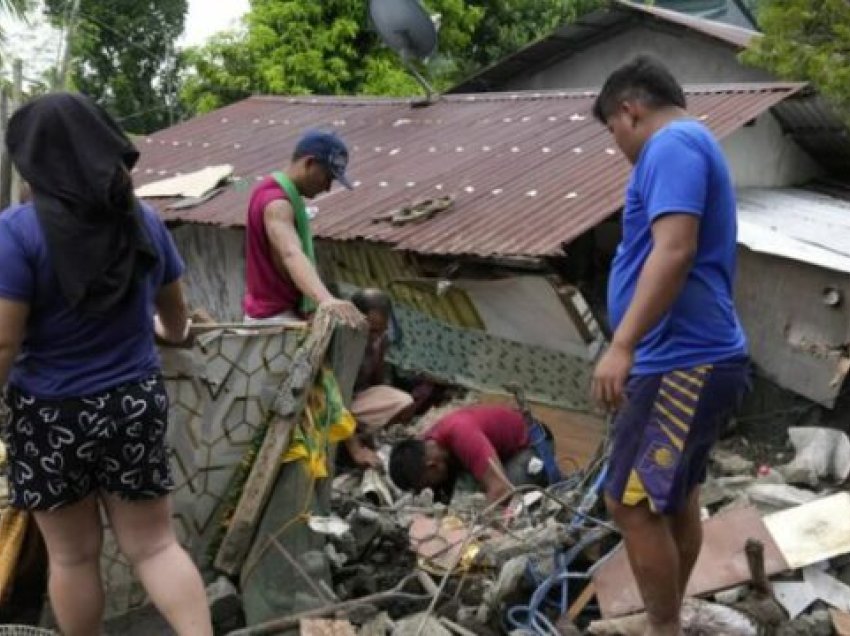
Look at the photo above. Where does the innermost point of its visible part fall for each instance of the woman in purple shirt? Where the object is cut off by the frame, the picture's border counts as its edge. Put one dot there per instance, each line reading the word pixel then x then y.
pixel 88 276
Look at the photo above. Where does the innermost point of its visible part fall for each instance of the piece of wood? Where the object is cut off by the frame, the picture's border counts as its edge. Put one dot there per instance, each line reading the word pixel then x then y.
pixel 813 532
pixel 755 561
pixel 722 562
pixel 288 407
pixel 13 530
pixel 840 621
pixel 326 627
pixel 581 602
pixel 379 599
pixel 206 327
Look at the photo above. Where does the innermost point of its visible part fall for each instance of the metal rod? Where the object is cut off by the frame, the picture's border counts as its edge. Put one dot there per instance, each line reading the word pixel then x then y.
pixel 307 578
pixel 278 625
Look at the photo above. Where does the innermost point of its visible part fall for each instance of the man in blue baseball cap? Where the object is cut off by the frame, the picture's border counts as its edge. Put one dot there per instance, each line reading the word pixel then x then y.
pixel 329 151
pixel 282 283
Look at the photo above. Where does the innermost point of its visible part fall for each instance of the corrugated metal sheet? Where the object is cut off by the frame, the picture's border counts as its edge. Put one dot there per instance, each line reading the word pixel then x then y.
pixel 528 171
pixel 796 224
pixel 815 126
pixel 576 36
pixel 364 265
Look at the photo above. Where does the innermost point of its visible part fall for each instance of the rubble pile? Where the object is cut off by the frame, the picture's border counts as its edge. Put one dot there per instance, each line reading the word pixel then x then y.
pixel 542 563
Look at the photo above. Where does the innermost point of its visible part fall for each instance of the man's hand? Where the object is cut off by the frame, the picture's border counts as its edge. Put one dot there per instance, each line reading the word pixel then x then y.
pixel 344 311
pixel 609 378
pixel 362 455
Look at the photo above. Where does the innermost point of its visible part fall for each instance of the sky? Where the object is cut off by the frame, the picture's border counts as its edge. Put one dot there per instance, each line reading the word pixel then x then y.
pixel 207 17
pixel 38 45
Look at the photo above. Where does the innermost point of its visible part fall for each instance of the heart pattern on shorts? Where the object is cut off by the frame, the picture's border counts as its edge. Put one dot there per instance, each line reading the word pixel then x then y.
pixel 132 407
pixel 60 451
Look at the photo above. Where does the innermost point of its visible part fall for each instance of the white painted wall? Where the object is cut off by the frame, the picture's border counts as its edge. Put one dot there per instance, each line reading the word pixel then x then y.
pixel 692 58
pixel 215 268
pixel 760 155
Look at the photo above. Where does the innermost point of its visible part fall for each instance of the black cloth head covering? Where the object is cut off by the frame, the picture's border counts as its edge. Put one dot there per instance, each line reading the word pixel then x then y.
pixel 77 160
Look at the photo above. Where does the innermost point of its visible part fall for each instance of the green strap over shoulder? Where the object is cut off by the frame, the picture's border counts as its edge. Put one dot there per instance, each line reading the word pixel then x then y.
pixel 302 228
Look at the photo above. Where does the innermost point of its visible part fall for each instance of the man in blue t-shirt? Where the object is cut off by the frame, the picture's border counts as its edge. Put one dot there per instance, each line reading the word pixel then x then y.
pixel 677 365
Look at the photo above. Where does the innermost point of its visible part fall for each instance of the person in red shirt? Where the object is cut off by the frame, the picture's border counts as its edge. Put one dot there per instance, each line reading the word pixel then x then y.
pixel 481 439
pixel 281 280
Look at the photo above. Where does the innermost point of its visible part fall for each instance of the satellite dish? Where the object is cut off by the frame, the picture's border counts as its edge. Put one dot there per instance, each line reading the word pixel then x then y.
pixel 407 29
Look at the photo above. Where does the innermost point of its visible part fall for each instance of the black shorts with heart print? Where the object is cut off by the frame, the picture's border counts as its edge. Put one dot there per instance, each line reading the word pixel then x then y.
pixel 59 451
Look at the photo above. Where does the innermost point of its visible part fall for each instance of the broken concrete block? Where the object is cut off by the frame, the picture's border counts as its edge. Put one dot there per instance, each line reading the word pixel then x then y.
pixel 381 625
pixel 818 623
pixel 326 627
pixel 510 576
pixel 813 532
pixel 410 626
pixel 794 596
pixel 732 595
pixel 225 605
pixel 827 588
pixel 439 542
pixel 698 616
pixel 779 496
pixel 729 463
pixel 841 622
pixel 821 453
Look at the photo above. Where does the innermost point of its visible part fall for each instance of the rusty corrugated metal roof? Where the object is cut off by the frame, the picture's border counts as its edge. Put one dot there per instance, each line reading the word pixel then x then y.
pixel 576 36
pixel 528 171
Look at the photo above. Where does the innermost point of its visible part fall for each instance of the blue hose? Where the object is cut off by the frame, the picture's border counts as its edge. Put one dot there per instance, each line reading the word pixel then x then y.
pixel 534 619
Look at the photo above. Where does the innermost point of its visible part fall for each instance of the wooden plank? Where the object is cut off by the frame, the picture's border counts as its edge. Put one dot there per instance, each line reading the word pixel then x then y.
pixel 840 621
pixel 326 627
pixel 722 562
pixel 581 602
pixel 814 532
pixel 289 406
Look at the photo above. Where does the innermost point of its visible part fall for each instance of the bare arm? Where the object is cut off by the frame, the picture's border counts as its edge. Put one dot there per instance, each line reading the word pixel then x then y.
pixel 290 260
pixel 661 280
pixel 494 482
pixel 172 319
pixel 279 219
pixel 13 322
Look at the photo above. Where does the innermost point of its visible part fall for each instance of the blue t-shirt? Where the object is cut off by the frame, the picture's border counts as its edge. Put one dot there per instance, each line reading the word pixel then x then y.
pixel 681 169
pixel 64 353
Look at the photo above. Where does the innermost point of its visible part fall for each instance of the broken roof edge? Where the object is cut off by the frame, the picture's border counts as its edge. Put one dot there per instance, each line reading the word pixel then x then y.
pixel 796 224
pixel 521 261
pixel 729 107
pixel 617 12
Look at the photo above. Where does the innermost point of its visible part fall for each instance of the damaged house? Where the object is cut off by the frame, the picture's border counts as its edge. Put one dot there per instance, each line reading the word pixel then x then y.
pixel 801 342
pixel 490 218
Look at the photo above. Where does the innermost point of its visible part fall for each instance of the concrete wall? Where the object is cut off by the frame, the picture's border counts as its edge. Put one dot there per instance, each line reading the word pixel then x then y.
pixel 760 155
pixel 693 59
pixel 795 338
pixel 215 411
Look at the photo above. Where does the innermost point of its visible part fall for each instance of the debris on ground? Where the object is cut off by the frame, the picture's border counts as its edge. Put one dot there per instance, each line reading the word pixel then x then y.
pixel 775 556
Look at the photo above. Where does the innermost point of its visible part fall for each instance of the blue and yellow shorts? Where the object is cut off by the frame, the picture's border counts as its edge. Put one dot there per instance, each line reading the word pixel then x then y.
pixel 665 431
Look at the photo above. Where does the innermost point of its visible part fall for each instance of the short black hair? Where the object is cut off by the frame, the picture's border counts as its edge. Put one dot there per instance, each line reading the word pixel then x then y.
pixel 645 79
pixel 407 464
pixel 372 299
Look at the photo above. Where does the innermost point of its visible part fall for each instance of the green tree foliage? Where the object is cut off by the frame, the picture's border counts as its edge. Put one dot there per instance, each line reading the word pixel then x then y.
pixel 123 56
pixel 295 47
pixel 807 40
pixel 328 47
pixel 508 25
pixel 16 8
